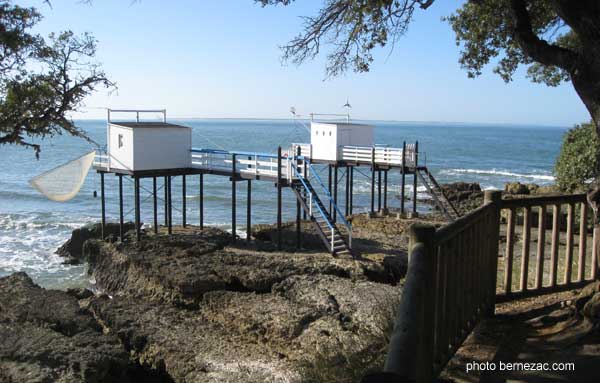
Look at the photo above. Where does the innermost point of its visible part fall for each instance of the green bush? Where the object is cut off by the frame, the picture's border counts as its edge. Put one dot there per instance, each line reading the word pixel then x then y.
pixel 578 162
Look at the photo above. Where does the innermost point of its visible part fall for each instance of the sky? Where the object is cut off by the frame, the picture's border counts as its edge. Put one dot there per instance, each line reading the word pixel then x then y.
pixel 221 59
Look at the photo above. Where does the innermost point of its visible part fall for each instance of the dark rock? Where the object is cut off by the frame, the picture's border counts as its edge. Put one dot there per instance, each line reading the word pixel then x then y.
pixel 47 337
pixel 586 294
pixel 591 310
pixel 180 269
pixel 517 188
pixel 72 250
pixel 460 191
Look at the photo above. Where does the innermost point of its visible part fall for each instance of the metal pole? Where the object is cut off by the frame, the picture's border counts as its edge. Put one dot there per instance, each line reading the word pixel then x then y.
pixel 166 187
pixel 249 211
pixel 233 196
pixel 201 201
pixel 335 192
pixel 329 188
pixel 351 189
pixel 170 206
pixel 403 170
pixel 373 181
pixel 121 207
pixel 379 190
pixel 183 203
pixel 155 205
pixel 138 234
pixel 279 238
pixel 346 190
pixel 414 208
pixel 385 189
pixel 103 207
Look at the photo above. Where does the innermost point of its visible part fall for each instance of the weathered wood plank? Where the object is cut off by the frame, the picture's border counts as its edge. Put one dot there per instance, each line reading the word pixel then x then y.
pixel 526 247
pixel 555 245
pixel 582 242
pixel 569 249
pixel 541 246
pixel 510 247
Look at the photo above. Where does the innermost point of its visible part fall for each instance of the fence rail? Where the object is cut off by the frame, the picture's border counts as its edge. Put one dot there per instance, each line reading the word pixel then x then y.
pixel 454 276
pixel 538 266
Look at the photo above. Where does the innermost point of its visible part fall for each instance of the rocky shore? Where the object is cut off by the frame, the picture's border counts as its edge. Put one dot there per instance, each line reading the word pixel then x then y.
pixel 194 307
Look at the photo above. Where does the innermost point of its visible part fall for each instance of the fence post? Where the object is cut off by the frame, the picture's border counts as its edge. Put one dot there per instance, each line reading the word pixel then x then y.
pixel 410 355
pixel 493 197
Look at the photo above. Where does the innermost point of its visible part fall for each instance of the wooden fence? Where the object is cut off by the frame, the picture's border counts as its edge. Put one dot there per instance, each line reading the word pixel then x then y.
pixel 454 277
pixel 572 256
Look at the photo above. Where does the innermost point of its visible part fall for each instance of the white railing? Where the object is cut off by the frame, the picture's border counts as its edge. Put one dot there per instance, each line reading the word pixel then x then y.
pixel 255 164
pixel 101 160
pixel 381 155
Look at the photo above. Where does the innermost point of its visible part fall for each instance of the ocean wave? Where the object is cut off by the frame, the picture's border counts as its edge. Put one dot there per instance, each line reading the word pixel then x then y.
pixel 495 172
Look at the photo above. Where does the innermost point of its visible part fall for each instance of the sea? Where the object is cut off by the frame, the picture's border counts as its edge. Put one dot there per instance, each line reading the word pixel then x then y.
pixel 33 227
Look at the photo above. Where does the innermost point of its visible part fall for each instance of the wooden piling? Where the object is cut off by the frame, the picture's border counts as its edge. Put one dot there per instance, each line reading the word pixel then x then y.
pixel 416 164
pixel 249 211
pixel 335 192
pixel 279 189
pixel 121 207
pixel 169 207
pixel 184 202
pixel 346 190
pixel 166 192
pixel 385 190
pixel 138 234
pixel 233 199
pixel 351 190
pixel 103 206
pixel 201 207
pixel 372 180
pixel 154 206
pixel 379 190
pixel 403 178
pixel 329 188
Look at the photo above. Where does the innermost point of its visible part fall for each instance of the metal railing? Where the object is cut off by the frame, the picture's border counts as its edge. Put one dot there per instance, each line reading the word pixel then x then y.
pixel 336 211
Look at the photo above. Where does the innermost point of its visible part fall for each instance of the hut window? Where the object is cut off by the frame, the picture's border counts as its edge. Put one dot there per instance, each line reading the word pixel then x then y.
pixel 120 140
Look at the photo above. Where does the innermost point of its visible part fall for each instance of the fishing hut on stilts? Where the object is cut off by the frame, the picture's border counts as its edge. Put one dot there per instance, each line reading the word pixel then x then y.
pixel 163 152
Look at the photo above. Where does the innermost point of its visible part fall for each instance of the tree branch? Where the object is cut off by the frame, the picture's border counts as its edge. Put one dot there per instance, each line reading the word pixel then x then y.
pixel 538 49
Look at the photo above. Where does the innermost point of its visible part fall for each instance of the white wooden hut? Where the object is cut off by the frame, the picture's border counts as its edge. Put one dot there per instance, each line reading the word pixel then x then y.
pixel 328 138
pixel 136 146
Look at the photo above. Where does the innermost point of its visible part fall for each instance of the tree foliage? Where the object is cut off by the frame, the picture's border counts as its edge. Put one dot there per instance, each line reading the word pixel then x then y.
pixel 578 164
pixel 558 40
pixel 42 80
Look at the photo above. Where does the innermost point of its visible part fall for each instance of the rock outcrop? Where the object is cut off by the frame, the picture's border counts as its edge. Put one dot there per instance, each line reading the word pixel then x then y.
pixel 47 337
pixel 72 250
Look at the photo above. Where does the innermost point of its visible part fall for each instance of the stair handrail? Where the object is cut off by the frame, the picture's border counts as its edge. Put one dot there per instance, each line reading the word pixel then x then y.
pixel 299 176
pixel 344 221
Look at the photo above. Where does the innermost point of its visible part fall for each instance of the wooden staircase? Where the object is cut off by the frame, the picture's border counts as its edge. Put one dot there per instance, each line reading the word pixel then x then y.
pixel 437 193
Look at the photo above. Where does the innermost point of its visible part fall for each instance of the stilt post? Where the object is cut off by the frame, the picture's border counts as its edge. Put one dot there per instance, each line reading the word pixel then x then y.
pixel 346 190
pixel 183 202
pixel 279 238
pixel 154 205
pixel 138 233
pixel 385 189
pixel 403 178
pixel 249 211
pixel 372 180
pixel 329 188
pixel 379 190
pixel 121 207
pixel 414 201
pixel 166 187
pixel 169 206
pixel 201 192
pixel 233 199
pixel 351 189
pixel 103 205
pixel 298 210
pixel 335 192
